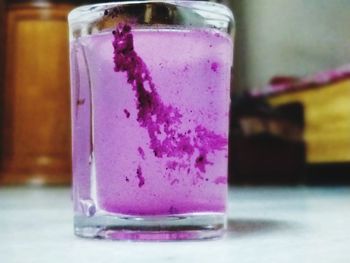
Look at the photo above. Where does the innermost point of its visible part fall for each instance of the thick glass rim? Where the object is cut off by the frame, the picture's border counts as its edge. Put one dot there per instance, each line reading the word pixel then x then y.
pixel 209 10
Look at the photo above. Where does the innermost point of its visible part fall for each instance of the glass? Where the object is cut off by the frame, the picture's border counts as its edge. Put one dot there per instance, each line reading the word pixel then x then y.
pixel 150 87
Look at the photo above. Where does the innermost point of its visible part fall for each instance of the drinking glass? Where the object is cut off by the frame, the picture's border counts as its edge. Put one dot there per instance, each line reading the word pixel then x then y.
pixel 150 95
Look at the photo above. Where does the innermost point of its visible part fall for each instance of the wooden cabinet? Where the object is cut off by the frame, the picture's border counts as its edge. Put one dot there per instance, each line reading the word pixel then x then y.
pixel 2 60
pixel 35 126
pixel 327 119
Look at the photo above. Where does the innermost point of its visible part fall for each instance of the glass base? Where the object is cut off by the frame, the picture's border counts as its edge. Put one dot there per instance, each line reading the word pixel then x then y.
pixel 160 228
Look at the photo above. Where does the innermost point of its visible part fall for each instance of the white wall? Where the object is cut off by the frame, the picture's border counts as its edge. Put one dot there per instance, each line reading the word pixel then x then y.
pixel 295 37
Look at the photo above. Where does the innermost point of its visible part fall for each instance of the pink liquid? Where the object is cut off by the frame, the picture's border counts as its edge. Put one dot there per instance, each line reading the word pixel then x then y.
pixel 150 136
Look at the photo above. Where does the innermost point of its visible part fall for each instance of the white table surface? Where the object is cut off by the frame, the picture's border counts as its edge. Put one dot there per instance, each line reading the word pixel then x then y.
pixel 265 225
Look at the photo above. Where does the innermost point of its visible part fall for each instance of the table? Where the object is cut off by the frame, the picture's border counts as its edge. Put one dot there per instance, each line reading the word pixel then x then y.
pixel 265 225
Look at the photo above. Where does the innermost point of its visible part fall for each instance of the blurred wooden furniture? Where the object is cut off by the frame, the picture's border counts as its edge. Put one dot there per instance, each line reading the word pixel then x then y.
pixel 326 101
pixel 2 62
pixel 2 55
pixel 266 143
pixel 293 130
pixel 2 36
pixel 35 141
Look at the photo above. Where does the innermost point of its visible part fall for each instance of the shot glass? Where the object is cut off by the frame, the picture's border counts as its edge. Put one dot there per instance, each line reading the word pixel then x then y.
pixel 150 95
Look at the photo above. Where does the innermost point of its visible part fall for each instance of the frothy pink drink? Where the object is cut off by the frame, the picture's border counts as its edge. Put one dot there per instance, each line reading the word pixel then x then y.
pixel 151 135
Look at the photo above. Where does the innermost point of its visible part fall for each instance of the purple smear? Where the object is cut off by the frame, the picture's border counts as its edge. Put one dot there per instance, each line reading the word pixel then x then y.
pixel 214 66
pixel 140 176
pixel 220 180
pixel 127 113
pixel 141 152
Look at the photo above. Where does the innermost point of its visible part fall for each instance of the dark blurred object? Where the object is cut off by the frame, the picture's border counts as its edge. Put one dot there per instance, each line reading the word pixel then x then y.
pixel 271 125
pixel 325 97
pixel 266 143
pixel 328 174
pixel 35 142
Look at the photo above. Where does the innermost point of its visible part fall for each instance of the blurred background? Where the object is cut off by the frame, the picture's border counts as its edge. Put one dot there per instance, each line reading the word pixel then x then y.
pixel 290 115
